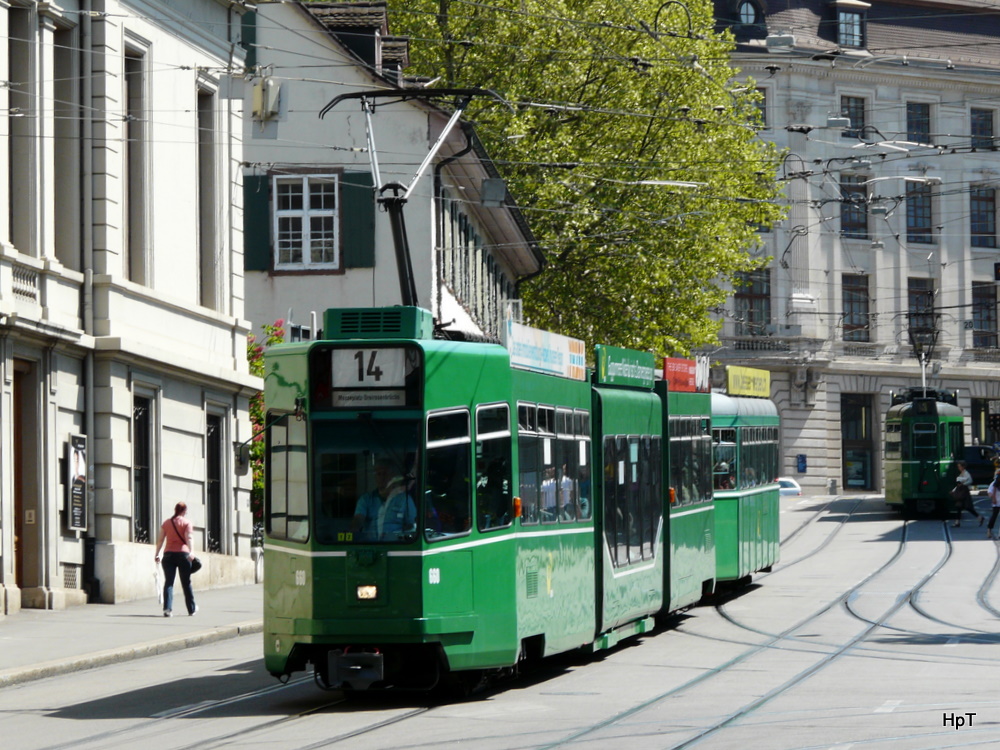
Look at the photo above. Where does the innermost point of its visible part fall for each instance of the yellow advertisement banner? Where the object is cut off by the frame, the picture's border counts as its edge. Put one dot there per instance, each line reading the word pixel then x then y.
pixel 748 381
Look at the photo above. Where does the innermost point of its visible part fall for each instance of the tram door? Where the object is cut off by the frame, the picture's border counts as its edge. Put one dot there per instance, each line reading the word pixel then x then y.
pixel 857 441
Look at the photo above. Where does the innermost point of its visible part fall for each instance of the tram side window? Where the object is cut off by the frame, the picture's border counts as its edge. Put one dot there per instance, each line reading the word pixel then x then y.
pixel 632 488
pixel 529 469
pixel 636 500
pixel 582 446
pixel 956 441
pixel 287 506
pixel 724 456
pixel 690 459
pixel 892 441
pixel 448 499
pixel 493 480
pixel 567 461
pixel 626 515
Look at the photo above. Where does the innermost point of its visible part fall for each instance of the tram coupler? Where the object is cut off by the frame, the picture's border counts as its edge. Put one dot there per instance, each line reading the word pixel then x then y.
pixel 356 670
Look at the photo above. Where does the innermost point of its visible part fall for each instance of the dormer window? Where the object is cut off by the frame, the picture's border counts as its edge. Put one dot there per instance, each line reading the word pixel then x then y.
pixel 747 13
pixel 851 22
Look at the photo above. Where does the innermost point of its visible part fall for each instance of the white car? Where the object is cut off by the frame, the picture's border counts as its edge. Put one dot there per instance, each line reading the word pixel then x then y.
pixel 788 486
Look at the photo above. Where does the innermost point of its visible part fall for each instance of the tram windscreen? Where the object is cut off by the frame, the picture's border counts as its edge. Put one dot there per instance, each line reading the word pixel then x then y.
pixel 365 481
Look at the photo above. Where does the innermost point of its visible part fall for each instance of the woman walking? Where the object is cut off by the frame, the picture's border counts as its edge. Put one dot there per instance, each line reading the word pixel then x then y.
pixel 176 532
pixel 962 494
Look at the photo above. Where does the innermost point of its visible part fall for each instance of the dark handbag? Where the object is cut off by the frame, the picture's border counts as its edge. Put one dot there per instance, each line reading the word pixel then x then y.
pixel 195 562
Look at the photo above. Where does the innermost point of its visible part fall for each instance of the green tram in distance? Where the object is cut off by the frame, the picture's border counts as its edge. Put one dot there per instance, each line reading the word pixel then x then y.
pixel 436 513
pixel 745 480
pixel 924 437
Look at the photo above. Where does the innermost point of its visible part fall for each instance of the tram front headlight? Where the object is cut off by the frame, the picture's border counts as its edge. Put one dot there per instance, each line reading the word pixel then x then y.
pixel 367 592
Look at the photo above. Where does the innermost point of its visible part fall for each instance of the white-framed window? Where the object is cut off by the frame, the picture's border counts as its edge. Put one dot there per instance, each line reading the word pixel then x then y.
pixel 850 28
pixel 762 103
pixel 306 222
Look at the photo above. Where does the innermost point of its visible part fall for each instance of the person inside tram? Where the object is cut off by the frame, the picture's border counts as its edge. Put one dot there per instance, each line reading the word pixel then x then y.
pixel 549 509
pixel 387 512
pixel 721 475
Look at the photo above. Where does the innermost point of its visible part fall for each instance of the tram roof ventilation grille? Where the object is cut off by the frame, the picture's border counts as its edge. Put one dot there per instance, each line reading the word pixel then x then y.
pixel 378 323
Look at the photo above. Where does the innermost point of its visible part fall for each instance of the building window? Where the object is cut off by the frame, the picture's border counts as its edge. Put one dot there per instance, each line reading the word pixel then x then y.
pixel 984 315
pixel 850 29
pixel 982 129
pixel 134 154
pixel 66 146
pixel 468 268
pixel 920 317
pixel 213 482
pixel 752 300
pixel 918 122
pixel 853 108
pixel 22 143
pixel 305 223
pixel 856 310
pixel 919 214
pixel 208 280
pixel 761 104
pixel 747 13
pixel 854 207
pixel 983 216
pixel 142 470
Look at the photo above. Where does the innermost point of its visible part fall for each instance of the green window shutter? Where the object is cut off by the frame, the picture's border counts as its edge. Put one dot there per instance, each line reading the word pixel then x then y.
pixel 357 220
pixel 249 41
pixel 256 223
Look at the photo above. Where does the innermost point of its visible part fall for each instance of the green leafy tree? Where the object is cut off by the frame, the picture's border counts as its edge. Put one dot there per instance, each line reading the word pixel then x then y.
pixel 274 333
pixel 626 144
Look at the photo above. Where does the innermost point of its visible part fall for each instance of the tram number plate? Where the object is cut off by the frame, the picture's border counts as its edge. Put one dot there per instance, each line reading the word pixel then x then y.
pixel 369 368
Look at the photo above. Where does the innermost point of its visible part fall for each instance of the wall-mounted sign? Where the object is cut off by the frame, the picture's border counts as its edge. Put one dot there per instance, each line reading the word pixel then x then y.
pixel 76 483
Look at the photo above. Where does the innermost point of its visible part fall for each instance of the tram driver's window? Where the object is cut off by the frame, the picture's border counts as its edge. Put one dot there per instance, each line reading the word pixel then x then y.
pixel 288 486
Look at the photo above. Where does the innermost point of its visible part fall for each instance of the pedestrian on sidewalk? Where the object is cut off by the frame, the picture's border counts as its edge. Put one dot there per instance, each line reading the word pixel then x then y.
pixel 176 533
pixel 994 493
pixel 962 495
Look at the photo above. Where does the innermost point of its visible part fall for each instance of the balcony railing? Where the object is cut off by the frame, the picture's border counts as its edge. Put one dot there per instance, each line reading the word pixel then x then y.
pixel 24 283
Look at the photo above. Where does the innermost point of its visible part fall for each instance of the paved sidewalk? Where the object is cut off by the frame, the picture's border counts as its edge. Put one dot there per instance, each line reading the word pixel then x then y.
pixel 37 643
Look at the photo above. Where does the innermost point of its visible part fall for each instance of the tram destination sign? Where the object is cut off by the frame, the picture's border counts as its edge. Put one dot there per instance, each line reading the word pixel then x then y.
pixel 365 378
pixel 617 366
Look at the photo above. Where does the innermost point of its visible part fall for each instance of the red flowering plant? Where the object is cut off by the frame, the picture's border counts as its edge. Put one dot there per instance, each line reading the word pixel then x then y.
pixel 274 333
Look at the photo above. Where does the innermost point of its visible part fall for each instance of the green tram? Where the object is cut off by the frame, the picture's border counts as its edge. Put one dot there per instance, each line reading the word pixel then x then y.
pixel 433 509
pixel 924 437
pixel 745 441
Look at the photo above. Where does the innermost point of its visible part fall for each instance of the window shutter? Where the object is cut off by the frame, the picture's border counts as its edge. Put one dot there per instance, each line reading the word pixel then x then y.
pixel 256 224
pixel 357 220
pixel 249 41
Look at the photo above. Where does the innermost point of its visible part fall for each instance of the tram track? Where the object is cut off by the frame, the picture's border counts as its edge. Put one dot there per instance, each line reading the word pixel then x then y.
pixel 125 736
pixel 832 652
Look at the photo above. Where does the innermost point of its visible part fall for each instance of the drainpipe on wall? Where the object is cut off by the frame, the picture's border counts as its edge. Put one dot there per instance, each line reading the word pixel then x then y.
pixel 91 583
